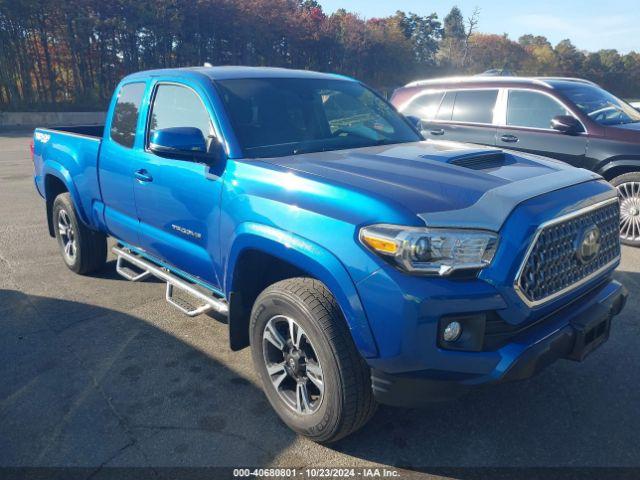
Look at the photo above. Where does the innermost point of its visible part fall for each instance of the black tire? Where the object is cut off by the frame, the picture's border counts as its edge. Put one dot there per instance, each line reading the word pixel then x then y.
pixel 628 186
pixel 88 252
pixel 348 402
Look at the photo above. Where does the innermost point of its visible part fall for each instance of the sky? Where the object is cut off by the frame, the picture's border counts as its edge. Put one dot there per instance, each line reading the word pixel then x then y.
pixel 590 24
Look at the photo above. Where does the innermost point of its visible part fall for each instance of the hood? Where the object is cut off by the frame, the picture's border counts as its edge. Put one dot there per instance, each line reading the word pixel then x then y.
pixel 442 182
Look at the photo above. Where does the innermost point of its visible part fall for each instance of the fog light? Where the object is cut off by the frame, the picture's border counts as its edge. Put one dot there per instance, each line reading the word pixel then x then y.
pixel 452 332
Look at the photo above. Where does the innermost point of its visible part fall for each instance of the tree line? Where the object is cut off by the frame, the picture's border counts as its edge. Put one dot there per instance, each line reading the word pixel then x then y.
pixel 69 54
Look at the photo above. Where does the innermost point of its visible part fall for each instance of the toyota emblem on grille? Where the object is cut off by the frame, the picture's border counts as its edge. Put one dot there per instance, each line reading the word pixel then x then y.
pixel 588 244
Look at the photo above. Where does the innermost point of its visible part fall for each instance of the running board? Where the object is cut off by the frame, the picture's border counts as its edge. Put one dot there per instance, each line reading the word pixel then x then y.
pixel 128 272
pixel 174 282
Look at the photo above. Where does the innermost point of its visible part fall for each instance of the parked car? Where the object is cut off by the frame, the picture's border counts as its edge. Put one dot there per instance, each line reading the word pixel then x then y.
pixel 360 263
pixel 569 119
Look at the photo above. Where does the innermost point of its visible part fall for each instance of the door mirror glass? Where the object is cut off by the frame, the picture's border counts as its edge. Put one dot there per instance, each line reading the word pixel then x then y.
pixel 180 142
pixel 565 124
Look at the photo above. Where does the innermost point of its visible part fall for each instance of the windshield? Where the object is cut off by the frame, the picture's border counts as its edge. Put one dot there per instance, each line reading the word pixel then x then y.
pixel 275 117
pixel 600 105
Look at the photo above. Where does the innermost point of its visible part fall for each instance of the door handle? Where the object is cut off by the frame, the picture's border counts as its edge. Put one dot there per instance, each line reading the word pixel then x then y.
pixel 439 131
pixel 509 138
pixel 143 176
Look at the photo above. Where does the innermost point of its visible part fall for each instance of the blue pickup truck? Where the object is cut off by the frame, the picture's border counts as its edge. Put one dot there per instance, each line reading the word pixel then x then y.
pixel 360 263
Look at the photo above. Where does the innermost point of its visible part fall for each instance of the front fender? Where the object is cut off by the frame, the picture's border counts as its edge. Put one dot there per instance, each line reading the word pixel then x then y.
pixel 312 258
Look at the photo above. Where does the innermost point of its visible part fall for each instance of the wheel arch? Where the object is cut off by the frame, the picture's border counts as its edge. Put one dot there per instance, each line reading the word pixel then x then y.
pixel 619 166
pixel 57 180
pixel 261 255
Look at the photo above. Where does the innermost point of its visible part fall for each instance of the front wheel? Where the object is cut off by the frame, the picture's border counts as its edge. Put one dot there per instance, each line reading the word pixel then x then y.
pixel 311 371
pixel 628 186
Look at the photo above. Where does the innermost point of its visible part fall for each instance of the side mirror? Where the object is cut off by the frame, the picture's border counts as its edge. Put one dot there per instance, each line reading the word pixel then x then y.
pixel 179 142
pixel 415 121
pixel 565 124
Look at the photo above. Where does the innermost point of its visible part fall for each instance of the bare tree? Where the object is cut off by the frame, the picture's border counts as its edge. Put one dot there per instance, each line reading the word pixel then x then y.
pixel 471 27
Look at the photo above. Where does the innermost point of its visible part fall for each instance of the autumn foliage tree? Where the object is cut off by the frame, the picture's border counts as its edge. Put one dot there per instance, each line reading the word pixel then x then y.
pixel 57 54
pixel 495 51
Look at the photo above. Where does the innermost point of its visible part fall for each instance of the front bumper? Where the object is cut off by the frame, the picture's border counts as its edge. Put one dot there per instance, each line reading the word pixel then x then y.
pixel 572 333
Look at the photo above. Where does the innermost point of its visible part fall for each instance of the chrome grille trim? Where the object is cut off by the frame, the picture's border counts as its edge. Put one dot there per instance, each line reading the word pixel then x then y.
pixel 575 285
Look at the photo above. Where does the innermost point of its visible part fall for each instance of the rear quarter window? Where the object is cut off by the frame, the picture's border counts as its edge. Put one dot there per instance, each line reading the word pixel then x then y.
pixel 125 115
pixel 424 106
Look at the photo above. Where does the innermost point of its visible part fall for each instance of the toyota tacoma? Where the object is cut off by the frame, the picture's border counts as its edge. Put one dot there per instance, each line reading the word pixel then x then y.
pixel 360 263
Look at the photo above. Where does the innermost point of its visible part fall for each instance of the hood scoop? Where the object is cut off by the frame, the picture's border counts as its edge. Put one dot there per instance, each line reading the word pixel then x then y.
pixel 486 160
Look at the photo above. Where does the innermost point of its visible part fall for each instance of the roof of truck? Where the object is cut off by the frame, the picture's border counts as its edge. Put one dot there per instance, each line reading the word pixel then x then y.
pixel 234 72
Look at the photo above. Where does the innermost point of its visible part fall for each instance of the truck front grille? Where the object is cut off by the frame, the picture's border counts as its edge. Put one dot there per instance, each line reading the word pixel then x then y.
pixel 553 266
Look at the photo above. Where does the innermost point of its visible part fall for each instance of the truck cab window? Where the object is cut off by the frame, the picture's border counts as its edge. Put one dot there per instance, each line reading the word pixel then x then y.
pixel 532 109
pixel 125 115
pixel 177 106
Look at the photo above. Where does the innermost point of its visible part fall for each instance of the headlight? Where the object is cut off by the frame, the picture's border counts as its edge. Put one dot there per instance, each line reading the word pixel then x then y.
pixel 437 251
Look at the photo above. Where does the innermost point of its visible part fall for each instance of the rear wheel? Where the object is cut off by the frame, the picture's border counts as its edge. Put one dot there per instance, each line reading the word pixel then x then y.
pixel 83 250
pixel 311 371
pixel 628 186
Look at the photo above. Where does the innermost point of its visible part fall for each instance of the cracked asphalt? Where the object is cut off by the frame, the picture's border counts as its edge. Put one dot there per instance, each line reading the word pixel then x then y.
pixel 97 372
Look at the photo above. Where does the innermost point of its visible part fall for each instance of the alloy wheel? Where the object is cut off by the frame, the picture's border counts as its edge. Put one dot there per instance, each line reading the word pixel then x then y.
pixel 67 236
pixel 292 365
pixel 629 193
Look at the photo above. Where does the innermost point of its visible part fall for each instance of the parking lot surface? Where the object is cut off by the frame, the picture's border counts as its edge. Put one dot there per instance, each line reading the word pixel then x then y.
pixel 99 372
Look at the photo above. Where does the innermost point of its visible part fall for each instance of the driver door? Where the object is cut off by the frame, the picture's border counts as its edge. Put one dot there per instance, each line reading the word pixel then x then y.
pixel 177 200
pixel 526 127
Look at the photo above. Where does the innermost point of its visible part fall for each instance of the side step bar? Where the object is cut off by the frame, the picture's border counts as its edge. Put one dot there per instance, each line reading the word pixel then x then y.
pixel 173 283
pixel 128 272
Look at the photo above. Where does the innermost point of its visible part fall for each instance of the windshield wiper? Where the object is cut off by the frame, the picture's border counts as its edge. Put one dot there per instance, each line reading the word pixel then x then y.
pixel 385 141
pixel 329 148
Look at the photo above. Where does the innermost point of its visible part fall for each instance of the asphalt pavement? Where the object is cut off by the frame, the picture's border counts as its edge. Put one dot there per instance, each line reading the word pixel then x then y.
pixel 97 372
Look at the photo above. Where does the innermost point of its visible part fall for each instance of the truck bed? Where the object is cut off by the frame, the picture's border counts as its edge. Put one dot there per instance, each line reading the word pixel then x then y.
pixel 85 130
pixel 66 153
